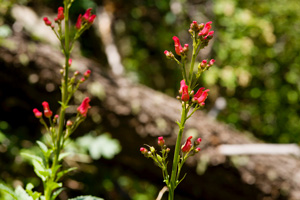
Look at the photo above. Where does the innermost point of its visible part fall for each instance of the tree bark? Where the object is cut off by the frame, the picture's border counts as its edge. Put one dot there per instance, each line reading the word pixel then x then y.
pixel 137 115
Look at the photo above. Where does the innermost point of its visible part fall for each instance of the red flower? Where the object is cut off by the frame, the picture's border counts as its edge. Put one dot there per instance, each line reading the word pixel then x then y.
pixel 187 146
pixel 78 23
pixel 161 141
pixel 182 83
pixel 84 107
pixel 184 91
pixel 91 19
pixel 201 95
pixel 47 22
pixel 178 47
pixel 206 29
pixel 37 113
pixel 60 13
pixel 87 14
pixel 47 111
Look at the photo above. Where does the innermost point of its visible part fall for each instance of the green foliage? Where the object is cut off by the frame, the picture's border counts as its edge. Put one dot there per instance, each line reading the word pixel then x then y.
pixel 98 146
pixel 4 188
pixel 257 49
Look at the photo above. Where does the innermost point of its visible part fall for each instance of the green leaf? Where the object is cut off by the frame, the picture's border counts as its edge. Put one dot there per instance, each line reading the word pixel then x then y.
pixel 63 155
pixel 34 195
pixel 32 157
pixel 60 174
pixel 102 145
pixel 43 147
pixel 40 170
pixel 86 198
pixel 22 194
pixel 53 185
pixel 56 193
pixel 8 190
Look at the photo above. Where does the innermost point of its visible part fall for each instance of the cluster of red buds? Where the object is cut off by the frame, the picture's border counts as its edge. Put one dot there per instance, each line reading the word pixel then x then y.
pixel 186 96
pixel 58 19
pixel 70 125
pixel 159 159
pixel 86 19
pixel 82 110
pixel 202 31
pixel 189 148
pixel 83 22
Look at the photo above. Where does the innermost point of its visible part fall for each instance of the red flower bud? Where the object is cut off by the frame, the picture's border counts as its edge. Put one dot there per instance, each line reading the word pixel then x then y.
pixel 87 14
pixel 197 150
pixel 206 29
pixel 37 113
pixel 201 96
pixel 91 19
pixel 69 123
pixel 70 62
pixel 211 62
pixel 161 141
pixel 182 83
pixel 187 146
pixel 78 23
pixel 203 64
pixel 47 111
pixel 47 22
pixel 184 91
pixel 87 73
pixel 198 141
pixel 60 13
pixel 143 150
pixel 84 107
pixel 178 47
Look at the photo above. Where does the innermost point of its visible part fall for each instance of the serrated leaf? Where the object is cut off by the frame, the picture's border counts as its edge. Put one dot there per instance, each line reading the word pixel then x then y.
pixel 22 194
pixel 86 198
pixel 8 190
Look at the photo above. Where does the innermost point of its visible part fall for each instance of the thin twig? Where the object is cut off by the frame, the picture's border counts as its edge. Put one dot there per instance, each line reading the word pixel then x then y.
pixel 161 192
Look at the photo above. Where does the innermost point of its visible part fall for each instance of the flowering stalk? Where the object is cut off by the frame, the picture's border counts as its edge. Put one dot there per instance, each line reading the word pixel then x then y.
pixel 48 168
pixel 190 101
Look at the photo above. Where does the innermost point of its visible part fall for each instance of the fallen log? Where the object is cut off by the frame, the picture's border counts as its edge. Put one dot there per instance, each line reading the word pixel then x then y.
pixel 137 115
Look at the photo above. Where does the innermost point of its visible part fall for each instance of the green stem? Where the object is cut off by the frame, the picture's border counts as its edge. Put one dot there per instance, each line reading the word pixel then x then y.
pixel 195 46
pixel 64 92
pixel 173 180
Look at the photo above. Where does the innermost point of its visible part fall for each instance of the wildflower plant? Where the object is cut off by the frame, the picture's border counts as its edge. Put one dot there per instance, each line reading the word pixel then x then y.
pixel 48 166
pixel 190 103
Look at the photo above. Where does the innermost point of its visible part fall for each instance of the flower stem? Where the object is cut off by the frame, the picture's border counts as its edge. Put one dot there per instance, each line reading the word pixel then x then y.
pixel 64 92
pixel 174 174
pixel 195 46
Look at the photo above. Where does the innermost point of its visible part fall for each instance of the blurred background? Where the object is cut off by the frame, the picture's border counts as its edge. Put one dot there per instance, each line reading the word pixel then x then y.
pixel 256 46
